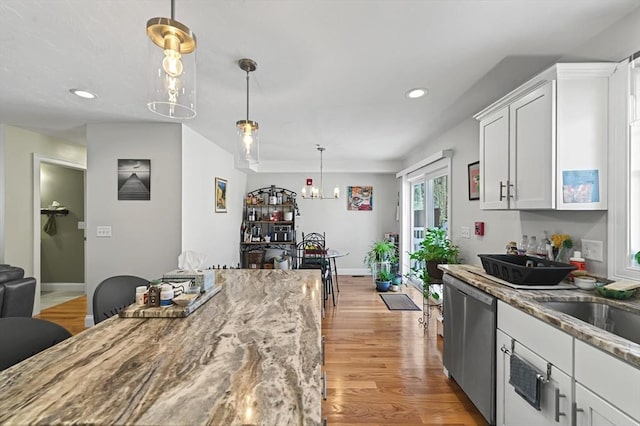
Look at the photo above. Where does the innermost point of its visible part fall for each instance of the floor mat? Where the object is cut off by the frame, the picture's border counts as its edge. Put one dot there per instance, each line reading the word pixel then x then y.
pixel 399 302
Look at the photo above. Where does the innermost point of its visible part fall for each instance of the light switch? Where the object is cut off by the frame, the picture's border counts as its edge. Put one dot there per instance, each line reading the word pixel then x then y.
pixel 103 231
pixel 593 250
pixel 465 232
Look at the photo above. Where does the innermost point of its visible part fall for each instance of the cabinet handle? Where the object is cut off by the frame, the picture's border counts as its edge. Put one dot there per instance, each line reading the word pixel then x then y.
pixel 502 185
pixel 576 410
pixel 324 385
pixel 324 421
pixel 558 412
pixel 511 191
pixel 323 341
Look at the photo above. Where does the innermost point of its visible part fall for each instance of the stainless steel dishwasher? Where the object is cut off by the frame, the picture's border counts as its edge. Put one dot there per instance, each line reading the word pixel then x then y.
pixel 470 342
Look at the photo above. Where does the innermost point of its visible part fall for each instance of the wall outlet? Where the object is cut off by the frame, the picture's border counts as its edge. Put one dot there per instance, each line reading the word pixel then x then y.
pixel 465 232
pixel 593 250
pixel 103 231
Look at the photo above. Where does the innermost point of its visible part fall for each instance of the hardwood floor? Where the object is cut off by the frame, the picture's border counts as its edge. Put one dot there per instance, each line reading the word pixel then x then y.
pixel 381 366
pixel 70 314
pixel 382 369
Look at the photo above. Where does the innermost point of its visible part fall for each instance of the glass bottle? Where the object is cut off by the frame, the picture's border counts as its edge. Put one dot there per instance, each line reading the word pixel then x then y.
pixel 541 251
pixel 522 247
pixel 532 247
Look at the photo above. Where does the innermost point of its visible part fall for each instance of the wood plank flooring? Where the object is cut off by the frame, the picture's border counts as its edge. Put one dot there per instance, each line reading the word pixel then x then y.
pixel 382 369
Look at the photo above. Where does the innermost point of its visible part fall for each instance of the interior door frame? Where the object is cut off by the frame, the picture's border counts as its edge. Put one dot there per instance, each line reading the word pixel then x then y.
pixel 38 160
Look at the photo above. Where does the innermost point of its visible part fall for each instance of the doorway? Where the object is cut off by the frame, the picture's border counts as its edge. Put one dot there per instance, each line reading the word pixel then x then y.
pixel 59 240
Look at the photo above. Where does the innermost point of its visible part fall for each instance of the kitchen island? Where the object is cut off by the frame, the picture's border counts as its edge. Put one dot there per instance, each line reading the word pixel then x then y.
pixel 250 355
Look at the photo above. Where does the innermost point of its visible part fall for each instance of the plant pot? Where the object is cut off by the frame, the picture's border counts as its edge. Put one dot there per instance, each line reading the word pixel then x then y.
pixel 394 287
pixel 434 272
pixel 383 285
pixel 397 280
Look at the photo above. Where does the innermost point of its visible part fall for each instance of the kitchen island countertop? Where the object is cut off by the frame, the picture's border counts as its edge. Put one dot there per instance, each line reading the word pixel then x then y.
pixel 529 301
pixel 250 355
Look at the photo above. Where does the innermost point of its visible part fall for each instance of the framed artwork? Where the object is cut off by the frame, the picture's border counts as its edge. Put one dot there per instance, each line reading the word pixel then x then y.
pixel 360 198
pixel 473 173
pixel 134 179
pixel 221 195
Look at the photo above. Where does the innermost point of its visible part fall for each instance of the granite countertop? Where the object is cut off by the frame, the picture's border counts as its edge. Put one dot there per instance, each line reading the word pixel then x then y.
pixel 250 355
pixel 529 301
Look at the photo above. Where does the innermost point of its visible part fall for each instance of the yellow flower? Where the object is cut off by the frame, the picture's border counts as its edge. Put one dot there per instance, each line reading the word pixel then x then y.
pixel 561 240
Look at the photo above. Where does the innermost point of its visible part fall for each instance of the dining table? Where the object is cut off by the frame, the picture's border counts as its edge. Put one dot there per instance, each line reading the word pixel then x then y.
pixel 333 254
pixel 251 355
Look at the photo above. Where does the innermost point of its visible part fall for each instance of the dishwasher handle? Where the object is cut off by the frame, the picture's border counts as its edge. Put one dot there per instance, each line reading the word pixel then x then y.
pixel 469 290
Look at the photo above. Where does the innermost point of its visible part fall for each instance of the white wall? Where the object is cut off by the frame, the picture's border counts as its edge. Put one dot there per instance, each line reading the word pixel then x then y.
pixel 19 147
pixel 146 234
pixel 215 234
pixel 353 231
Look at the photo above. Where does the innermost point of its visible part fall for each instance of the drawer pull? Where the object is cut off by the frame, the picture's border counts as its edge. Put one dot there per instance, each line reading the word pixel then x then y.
pixel 502 185
pixel 558 412
pixel 324 385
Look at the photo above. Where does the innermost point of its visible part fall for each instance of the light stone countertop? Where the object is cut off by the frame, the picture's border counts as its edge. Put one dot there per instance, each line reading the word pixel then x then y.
pixel 528 301
pixel 250 355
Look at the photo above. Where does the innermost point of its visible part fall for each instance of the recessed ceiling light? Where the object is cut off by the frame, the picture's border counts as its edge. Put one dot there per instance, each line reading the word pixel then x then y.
pixel 82 93
pixel 416 93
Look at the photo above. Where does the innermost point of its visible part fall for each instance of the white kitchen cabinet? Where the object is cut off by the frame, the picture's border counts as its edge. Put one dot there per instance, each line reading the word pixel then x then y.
pixel 609 388
pixel 543 146
pixel 594 411
pixel 531 340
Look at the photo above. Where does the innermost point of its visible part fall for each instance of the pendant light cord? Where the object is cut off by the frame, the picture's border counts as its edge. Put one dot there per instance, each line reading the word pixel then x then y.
pixel 247 96
pixel 173 10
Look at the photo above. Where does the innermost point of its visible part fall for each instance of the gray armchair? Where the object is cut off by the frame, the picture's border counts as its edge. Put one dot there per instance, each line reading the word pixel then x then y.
pixel 16 292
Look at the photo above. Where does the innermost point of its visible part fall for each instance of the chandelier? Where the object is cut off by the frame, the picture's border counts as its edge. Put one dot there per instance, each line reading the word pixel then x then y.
pixel 171 90
pixel 314 192
pixel 247 129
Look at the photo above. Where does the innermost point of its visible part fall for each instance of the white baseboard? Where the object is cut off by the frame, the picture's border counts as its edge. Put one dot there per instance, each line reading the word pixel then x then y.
pixel 88 321
pixel 62 286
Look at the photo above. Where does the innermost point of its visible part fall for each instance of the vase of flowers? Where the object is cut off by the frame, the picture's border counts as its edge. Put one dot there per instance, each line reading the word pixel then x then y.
pixel 562 245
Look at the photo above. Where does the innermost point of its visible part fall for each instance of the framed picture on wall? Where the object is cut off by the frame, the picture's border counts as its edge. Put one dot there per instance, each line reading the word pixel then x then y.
pixel 473 172
pixel 221 195
pixel 134 179
pixel 360 198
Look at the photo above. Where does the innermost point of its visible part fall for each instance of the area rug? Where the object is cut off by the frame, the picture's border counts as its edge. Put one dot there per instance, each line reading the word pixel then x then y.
pixel 399 302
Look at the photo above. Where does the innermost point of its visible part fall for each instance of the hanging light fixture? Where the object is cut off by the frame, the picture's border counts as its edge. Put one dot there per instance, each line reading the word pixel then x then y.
pixel 247 129
pixel 634 80
pixel 172 68
pixel 314 192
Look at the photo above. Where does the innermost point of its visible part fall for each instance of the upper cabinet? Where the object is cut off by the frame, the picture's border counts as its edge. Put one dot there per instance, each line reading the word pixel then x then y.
pixel 544 145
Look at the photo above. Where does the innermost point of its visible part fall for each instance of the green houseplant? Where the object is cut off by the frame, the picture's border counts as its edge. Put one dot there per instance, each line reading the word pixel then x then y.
pixel 436 248
pixel 383 279
pixel 381 255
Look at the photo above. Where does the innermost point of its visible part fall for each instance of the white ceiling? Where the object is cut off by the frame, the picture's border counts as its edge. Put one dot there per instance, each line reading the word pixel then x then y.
pixel 330 72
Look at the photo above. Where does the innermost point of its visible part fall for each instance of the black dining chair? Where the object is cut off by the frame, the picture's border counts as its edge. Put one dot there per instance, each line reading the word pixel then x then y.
pixel 114 294
pixel 23 337
pixel 312 255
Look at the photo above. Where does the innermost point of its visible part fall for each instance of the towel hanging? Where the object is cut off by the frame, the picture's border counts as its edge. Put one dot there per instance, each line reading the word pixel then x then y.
pixel 50 226
pixel 524 379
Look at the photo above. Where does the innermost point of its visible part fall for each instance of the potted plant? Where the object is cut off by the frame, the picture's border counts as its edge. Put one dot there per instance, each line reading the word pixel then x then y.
pixel 436 248
pixel 383 279
pixel 381 256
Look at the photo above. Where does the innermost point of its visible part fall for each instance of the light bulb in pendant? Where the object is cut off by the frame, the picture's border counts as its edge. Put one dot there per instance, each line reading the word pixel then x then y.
pixel 171 64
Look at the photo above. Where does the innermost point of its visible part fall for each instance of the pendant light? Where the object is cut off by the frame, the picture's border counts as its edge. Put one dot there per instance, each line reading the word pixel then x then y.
pixel 313 192
pixel 634 80
pixel 247 129
pixel 172 68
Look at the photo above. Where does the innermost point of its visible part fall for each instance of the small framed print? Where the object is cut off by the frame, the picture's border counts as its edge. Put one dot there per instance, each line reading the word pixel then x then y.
pixel 473 173
pixel 221 195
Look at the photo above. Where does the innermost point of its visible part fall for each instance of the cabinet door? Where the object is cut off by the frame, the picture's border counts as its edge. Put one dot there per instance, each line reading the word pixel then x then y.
pixel 512 409
pixel 532 149
pixel 494 160
pixel 594 411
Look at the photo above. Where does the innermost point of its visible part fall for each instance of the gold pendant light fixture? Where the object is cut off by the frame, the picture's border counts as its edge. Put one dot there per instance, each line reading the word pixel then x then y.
pixel 313 192
pixel 172 68
pixel 247 129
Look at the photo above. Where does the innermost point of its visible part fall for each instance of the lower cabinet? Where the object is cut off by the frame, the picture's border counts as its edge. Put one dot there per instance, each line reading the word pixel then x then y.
pixel 555 388
pixel 591 410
